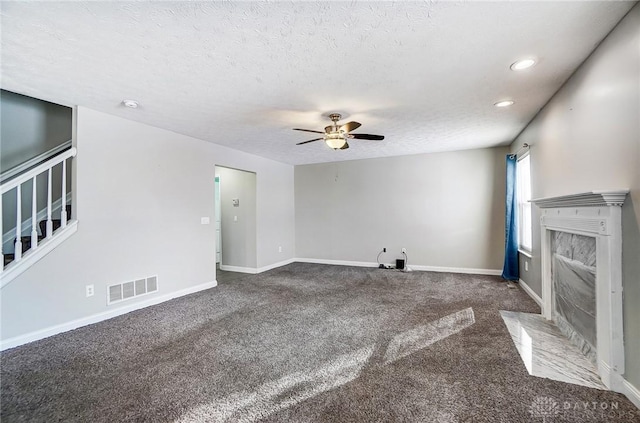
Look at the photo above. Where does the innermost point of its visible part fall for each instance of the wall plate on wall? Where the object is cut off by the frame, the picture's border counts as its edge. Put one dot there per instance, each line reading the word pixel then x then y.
pixel 236 202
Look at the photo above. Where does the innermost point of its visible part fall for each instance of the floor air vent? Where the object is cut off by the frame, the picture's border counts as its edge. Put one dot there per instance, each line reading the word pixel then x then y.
pixel 124 291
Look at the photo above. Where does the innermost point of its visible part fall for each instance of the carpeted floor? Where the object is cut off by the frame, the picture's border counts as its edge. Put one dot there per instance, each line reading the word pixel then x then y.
pixel 302 343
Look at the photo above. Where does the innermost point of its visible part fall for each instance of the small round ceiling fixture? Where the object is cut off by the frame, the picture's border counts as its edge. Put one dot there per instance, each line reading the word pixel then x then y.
pixel 522 64
pixel 504 103
pixel 132 104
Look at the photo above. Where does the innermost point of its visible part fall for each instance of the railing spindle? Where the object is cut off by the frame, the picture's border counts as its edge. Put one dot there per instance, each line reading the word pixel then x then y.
pixel 7 185
pixel 63 213
pixel 17 252
pixel 49 221
pixel 18 262
pixel 34 215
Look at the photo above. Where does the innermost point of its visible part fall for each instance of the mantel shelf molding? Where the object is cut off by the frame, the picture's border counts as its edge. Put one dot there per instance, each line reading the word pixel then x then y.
pixel 585 199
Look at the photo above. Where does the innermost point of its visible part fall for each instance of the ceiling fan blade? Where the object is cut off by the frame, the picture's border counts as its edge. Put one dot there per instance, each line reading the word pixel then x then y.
pixel 345 146
pixel 350 126
pixel 304 142
pixel 367 137
pixel 308 130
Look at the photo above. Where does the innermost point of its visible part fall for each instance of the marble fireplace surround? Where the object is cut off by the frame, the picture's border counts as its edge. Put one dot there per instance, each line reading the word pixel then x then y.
pixel 595 214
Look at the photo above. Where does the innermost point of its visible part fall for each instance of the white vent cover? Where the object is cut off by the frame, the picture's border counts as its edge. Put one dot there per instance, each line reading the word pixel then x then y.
pixel 126 290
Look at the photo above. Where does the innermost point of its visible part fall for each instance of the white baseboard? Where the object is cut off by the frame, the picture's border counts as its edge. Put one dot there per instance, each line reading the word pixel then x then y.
pixel 526 288
pixel 611 380
pixel 337 262
pixel 274 265
pixel 631 392
pixel 239 269
pixel 465 270
pixel 95 318
pixel 253 270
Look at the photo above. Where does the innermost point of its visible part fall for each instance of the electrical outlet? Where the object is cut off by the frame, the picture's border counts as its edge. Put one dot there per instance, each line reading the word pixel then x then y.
pixel 404 251
pixel 526 266
pixel 280 249
pixel 89 290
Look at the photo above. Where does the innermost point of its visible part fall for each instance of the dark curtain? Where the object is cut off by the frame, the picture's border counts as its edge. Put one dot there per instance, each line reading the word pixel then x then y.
pixel 510 268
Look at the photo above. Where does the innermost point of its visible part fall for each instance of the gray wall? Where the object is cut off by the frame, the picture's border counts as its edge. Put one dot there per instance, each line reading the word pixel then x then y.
pixel 30 127
pixel 238 235
pixel 446 209
pixel 140 193
pixel 527 272
pixel 588 138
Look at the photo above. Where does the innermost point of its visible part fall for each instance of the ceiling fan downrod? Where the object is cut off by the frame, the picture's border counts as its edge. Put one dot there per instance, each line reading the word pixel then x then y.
pixel 335 117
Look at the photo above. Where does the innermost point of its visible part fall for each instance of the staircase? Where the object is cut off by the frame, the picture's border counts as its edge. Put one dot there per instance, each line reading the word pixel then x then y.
pixel 26 240
pixel 28 249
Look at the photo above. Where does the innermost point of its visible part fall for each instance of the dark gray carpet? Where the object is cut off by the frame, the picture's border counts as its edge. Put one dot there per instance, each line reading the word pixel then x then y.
pixel 302 343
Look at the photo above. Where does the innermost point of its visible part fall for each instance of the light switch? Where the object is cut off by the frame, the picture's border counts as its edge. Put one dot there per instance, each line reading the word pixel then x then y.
pixel 204 220
pixel 235 218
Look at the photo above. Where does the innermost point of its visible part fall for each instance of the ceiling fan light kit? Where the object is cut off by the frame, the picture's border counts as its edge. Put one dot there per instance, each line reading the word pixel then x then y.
pixel 336 136
pixel 335 141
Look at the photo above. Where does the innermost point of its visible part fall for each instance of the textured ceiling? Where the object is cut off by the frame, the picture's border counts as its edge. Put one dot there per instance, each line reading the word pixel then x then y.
pixel 423 74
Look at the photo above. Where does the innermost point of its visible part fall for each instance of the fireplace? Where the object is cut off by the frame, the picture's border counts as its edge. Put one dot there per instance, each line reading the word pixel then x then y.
pixel 581 251
pixel 573 277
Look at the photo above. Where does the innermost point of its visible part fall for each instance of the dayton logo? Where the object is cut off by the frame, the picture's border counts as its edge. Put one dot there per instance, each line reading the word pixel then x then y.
pixel 545 407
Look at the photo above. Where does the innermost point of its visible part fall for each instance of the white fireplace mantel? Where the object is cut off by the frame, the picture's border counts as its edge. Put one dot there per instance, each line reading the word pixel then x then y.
pixel 585 199
pixel 596 214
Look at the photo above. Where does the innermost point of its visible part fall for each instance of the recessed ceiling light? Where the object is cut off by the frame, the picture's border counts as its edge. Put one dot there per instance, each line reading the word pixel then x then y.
pixel 504 103
pixel 130 103
pixel 522 64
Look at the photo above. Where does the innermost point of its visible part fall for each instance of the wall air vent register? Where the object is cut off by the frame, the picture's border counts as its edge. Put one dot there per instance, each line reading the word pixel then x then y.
pixel 127 290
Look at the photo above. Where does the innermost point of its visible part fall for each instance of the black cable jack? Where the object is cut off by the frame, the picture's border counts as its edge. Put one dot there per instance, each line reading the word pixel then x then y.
pixel 381 265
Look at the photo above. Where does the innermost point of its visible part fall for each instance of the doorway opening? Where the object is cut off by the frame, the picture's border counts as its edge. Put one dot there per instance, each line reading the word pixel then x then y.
pixel 235 217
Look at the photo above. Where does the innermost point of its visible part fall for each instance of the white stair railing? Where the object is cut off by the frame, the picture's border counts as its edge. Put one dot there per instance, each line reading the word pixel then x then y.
pixel 15 184
pixel 40 158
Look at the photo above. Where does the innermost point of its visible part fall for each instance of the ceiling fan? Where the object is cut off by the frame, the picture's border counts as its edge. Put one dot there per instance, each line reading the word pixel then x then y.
pixel 336 136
